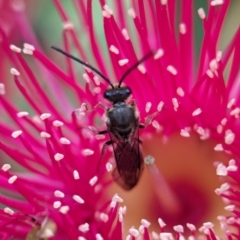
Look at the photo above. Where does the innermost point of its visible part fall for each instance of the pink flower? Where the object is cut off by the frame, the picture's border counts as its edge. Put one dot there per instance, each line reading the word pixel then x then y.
pixel 58 185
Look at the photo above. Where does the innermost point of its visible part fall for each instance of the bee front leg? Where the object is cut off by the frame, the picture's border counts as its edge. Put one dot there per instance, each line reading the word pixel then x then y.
pixel 148 120
pixel 102 152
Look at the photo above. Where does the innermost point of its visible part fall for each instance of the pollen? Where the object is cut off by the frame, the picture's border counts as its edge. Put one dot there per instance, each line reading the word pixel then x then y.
pixel 78 199
pixel 2 89
pixel 8 210
pixel 158 54
pixel 114 49
pixel 201 13
pixel 64 209
pixel 172 70
pixel 57 204
pixel 45 116
pixel 122 62
pixel 12 179
pixel 180 92
pixel 16 134
pixel 125 34
pixel 178 228
pixel 84 227
pixel 58 156
pixel 148 106
pixel 116 198
pixel 59 194
pixel 45 135
pixel 15 49
pixel 64 140
pixel 14 71
pixel 76 175
pixel 68 25
pixel 93 180
pixel 182 28
pixel 6 167
pixel 22 114
pixel 197 112
pixel 132 13
pixel 218 147
pixel 87 152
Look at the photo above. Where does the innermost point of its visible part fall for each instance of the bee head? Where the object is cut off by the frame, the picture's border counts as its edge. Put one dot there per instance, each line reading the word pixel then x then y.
pixel 117 94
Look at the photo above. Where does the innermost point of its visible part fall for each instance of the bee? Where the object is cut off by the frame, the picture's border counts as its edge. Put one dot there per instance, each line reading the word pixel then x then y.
pixel 122 121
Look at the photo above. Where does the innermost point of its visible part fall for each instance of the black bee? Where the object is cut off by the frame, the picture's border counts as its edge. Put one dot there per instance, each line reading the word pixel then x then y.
pixel 123 125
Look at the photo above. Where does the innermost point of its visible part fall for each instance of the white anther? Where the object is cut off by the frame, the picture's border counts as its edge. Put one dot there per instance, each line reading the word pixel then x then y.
pixel 29 46
pixel 84 227
pixel 58 156
pixel 209 73
pixel 123 62
pixel 145 223
pixel 114 49
pixel 180 92
pixel 78 199
pixel 57 204
pixel 175 103
pixel 104 217
pixel 201 13
pixel 141 68
pixel 12 179
pixel 45 116
pixel 87 152
pixel 213 65
pixel 178 228
pixel 116 198
pixel 134 232
pixel 16 134
pixel 149 160
pixel 2 89
pixel 108 9
pixel 197 112
pixel 156 125
pixel 59 194
pixel 161 223
pixel 64 140
pixel 6 167
pixel 86 78
pixel 218 147
pixel 68 25
pixel 125 34
pixel 57 123
pixel 96 80
pixel 184 133
pixel 182 28
pixel 15 48
pixel 229 208
pixel 99 236
pixel 229 137
pixel 191 227
pixel 45 135
pixel 172 70
pixel 160 106
pixel 64 209
pixel 148 106
pixel 8 210
pixel 216 2
pixel 132 13
pixel 22 114
pixel 76 175
pixel 158 54
pixel 231 102
pixel 219 56
pixel 235 112
pixel 164 2
pixel 109 166
pixel 221 170
pixel 93 180
pixel 14 71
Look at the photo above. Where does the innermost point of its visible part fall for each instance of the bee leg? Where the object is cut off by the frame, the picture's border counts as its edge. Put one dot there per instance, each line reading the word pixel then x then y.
pixel 148 120
pixel 93 129
pixel 99 104
pixel 102 152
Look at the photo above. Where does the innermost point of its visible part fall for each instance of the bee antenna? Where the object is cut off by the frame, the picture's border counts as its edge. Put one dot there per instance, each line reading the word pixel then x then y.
pixel 84 64
pixel 134 66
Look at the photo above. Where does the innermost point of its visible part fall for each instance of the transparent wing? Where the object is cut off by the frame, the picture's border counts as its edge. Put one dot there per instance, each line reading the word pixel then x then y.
pixel 129 160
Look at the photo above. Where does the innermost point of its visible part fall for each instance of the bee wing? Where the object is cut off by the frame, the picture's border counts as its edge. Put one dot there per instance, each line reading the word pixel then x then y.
pixel 129 160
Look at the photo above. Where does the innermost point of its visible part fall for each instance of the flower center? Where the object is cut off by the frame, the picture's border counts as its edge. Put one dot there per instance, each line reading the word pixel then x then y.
pixel 186 192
